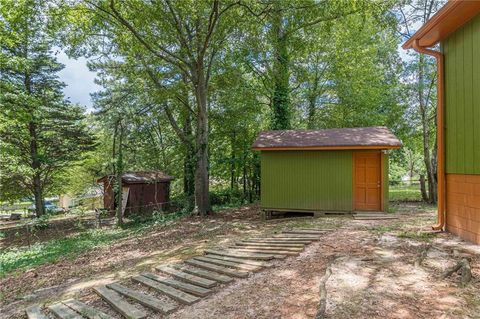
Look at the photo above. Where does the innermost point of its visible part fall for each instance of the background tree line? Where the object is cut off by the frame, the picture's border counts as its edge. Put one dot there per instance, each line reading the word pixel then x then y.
pixel 187 85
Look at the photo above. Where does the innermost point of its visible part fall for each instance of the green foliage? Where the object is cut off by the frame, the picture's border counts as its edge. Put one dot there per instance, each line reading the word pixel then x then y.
pixel 404 192
pixel 41 133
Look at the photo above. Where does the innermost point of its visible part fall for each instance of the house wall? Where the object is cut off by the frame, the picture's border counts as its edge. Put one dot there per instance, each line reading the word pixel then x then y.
pixel 307 180
pixel 462 130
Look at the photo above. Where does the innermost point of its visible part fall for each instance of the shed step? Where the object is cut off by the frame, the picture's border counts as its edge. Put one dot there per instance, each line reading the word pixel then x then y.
pixel 241 261
pixel 195 290
pixel 86 310
pixel 35 312
pixel 199 281
pixel 220 269
pixel 235 254
pixel 125 308
pixel 205 274
pixel 63 312
pixel 176 294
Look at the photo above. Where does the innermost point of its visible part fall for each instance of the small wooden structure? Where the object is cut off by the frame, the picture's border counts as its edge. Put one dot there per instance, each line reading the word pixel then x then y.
pixel 143 192
pixel 456 27
pixel 325 170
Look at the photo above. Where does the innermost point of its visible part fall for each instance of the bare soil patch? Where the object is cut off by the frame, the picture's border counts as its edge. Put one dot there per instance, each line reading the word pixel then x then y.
pixel 376 273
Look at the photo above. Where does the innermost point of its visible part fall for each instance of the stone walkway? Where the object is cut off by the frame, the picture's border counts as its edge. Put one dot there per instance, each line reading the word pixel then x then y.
pixel 185 283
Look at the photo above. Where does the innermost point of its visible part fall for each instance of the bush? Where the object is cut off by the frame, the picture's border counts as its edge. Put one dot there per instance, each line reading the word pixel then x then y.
pixel 226 197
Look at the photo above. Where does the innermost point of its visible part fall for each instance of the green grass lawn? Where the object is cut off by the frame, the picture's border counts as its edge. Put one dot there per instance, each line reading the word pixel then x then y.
pixel 23 258
pixel 405 193
pixel 40 253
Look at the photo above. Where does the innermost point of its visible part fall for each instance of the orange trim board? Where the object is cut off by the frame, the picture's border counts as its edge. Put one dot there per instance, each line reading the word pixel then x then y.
pixel 326 148
pixel 452 16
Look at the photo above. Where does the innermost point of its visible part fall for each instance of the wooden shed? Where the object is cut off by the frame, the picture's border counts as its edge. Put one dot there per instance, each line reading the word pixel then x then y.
pixel 456 27
pixel 143 192
pixel 325 170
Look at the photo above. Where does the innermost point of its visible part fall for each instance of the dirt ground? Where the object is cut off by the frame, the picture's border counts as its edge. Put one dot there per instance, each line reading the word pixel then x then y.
pixel 374 270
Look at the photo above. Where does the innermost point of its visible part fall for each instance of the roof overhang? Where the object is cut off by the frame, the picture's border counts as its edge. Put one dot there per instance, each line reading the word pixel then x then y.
pixel 452 16
pixel 327 148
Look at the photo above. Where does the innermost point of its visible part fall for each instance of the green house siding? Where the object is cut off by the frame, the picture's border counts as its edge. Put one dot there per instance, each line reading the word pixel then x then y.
pixel 462 99
pixel 307 180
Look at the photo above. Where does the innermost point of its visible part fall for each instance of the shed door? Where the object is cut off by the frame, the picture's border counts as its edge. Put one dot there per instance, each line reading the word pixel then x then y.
pixel 367 181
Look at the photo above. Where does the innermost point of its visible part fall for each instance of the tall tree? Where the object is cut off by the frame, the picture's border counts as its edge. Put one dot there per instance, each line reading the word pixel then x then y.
pixel 422 89
pixel 171 39
pixel 41 133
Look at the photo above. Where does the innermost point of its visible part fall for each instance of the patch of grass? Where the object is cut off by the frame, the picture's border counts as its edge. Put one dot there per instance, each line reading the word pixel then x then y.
pixel 420 236
pixel 51 251
pixel 405 193
pixel 23 258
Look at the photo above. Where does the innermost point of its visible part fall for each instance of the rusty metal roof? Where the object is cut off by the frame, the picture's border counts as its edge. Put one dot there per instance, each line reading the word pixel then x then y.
pixel 142 177
pixel 378 137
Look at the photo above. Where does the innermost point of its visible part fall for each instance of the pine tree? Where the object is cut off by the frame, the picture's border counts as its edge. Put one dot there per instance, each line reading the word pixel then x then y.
pixel 41 133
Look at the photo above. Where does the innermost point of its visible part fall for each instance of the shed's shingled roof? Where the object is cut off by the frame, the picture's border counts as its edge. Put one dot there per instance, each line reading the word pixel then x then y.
pixel 378 137
pixel 143 177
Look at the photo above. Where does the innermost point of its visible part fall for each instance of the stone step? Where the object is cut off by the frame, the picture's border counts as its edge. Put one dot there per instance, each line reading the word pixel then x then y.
pixel 205 274
pixel 86 310
pixel 240 255
pixel 278 240
pixel 241 261
pixel 297 237
pixel 35 312
pixel 198 281
pixel 260 247
pixel 275 252
pixel 237 251
pixel 123 307
pixel 303 232
pixel 242 266
pixel 176 294
pixel 61 311
pixel 143 299
pixel 194 290
pixel 263 244
pixel 220 269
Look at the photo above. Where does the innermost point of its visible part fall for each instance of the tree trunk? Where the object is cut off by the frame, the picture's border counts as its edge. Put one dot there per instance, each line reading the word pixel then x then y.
pixel 202 198
pixel 426 133
pixel 37 181
pixel 423 188
pixel 281 100
pixel 119 171
pixel 233 181
pixel 189 160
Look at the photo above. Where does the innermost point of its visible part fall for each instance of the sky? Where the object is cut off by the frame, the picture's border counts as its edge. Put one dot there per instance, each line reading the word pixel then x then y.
pixel 79 80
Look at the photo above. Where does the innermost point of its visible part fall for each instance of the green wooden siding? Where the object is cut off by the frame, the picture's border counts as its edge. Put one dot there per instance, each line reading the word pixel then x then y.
pixel 462 99
pixel 307 180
